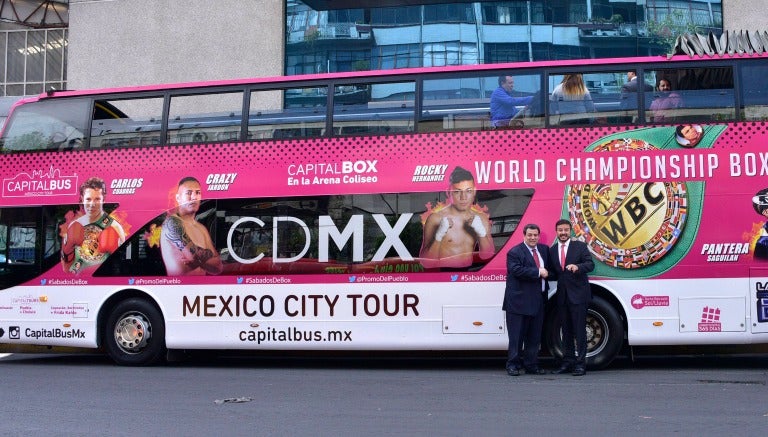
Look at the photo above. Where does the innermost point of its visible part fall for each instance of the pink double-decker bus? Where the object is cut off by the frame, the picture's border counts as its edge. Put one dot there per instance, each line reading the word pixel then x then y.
pixel 374 210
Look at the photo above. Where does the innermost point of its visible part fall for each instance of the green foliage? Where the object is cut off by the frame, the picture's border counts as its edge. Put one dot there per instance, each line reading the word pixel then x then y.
pixel 665 32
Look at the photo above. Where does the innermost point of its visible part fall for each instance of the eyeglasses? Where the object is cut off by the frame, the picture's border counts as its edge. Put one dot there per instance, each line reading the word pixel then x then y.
pixel 462 193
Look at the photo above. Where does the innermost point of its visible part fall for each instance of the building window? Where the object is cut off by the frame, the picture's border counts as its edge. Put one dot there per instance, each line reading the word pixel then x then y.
pixel 513 12
pixel 403 16
pixel 450 53
pixel 34 61
pixel 449 13
pixel 397 56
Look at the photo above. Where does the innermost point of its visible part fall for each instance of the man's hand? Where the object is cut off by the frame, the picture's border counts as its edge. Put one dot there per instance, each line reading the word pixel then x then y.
pixel 445 224
pixel 477 226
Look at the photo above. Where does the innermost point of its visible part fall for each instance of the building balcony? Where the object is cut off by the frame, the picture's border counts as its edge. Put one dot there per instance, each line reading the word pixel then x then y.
pixel 331 32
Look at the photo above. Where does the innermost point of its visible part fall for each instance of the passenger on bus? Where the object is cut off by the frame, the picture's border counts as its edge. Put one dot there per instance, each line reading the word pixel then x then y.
pixel 629 91
pixel 503 104
pixel 453 234
pixel 666 101
pixel 93 236
pixel 185 243
pixel 570 97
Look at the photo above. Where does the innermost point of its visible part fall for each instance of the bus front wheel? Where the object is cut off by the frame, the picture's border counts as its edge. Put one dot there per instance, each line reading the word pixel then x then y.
pixel 135 333
pixel 605 334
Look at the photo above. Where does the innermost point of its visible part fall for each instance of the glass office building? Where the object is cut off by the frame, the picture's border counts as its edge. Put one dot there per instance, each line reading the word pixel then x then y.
pixel 325 36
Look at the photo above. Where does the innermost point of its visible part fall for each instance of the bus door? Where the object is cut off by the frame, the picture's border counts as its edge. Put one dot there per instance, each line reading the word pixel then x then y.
pixel 758 299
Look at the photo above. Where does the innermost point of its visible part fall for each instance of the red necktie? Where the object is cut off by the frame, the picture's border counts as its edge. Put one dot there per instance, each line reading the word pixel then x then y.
pixel 562 256
pixel 536 258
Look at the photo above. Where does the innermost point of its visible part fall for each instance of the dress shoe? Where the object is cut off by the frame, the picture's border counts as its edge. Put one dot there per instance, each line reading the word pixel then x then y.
pixel 579 371
pixel 563 370
pixel 535 371
pixel 513 372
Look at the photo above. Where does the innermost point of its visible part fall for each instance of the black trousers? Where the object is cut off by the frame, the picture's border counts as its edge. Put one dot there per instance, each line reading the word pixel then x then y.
pixel 573 319
pixel 524 334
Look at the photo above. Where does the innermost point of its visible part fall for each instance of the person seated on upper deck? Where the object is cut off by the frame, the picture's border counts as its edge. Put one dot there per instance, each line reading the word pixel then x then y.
pixel 666 101
pixel 503 104
pixel 571 96
pixel 629 91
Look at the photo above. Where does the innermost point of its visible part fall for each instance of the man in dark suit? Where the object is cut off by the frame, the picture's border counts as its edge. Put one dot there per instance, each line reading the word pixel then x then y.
pixel 571 264
pixel 629 91
pixel 524 296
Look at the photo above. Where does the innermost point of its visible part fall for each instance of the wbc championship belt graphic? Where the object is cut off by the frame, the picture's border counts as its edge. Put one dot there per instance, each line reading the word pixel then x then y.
pixel 637 229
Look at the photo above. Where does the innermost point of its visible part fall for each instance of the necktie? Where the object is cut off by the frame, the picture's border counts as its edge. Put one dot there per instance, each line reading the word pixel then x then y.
pixel 562 256
pixel 538 265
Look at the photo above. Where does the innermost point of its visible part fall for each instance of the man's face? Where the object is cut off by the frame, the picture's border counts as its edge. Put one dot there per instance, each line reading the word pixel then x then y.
pixel 93 201
pixel 508 84
pixel 188 197
pixel 630 75
pixel 531 237
pixel 691 134
pixel 664 86
pixel 563 232
pixel 462 194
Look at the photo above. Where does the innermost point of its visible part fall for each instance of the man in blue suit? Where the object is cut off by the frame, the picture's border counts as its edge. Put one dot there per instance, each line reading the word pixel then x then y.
pixel 528 267
pixel 572 262
pixel 503 104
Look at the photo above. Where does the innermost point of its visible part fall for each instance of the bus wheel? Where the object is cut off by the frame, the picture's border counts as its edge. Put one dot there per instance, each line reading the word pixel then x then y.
pixel 135 333
pixel 605 334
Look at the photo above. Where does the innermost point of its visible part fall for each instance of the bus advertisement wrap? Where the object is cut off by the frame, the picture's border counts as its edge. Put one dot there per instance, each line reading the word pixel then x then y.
pixel 337 224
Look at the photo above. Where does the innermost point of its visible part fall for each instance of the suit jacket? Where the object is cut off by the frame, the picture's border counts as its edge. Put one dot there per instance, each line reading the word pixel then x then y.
pixel 628 96
pixel 523 293
pixel 573 286
pixel 632 86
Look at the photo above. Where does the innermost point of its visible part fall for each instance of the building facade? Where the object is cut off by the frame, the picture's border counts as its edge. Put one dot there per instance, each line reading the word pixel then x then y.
pixel 438 34
pixel 160 41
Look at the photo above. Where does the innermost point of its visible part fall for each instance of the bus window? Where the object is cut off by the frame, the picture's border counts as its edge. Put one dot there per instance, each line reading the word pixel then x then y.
pixel 290 113
pixel 370 109
pixel 589 98
pixel 205 117
pixel 481 103
pixel 755 101
pixel 29 243
pixel 691 95
pixel 664 104
pixel 128 122
pixel 47 125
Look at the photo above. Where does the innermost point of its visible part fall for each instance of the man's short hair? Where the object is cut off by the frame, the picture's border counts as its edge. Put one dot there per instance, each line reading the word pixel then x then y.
pixel 531 226
pixel 188 179
pixel 563 222
pixel 503 79
pixel 460 174
pixel 93 183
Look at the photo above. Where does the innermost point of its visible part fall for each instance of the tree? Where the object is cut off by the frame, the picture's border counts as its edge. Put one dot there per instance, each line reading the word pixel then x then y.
pixel 665 32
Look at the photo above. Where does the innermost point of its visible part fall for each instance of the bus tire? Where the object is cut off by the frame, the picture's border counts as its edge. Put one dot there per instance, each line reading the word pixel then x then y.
pixel 605 334
pixel 134 334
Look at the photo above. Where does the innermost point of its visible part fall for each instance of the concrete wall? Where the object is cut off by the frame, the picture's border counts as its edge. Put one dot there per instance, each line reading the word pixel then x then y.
pixel 745 15
pixel 139 42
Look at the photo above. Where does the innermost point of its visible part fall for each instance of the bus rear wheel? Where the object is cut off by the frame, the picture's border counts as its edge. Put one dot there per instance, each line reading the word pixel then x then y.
pixel 605 334
pixel 134 334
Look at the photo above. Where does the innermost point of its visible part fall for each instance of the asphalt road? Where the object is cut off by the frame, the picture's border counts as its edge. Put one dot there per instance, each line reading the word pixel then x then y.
pixel 331 396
